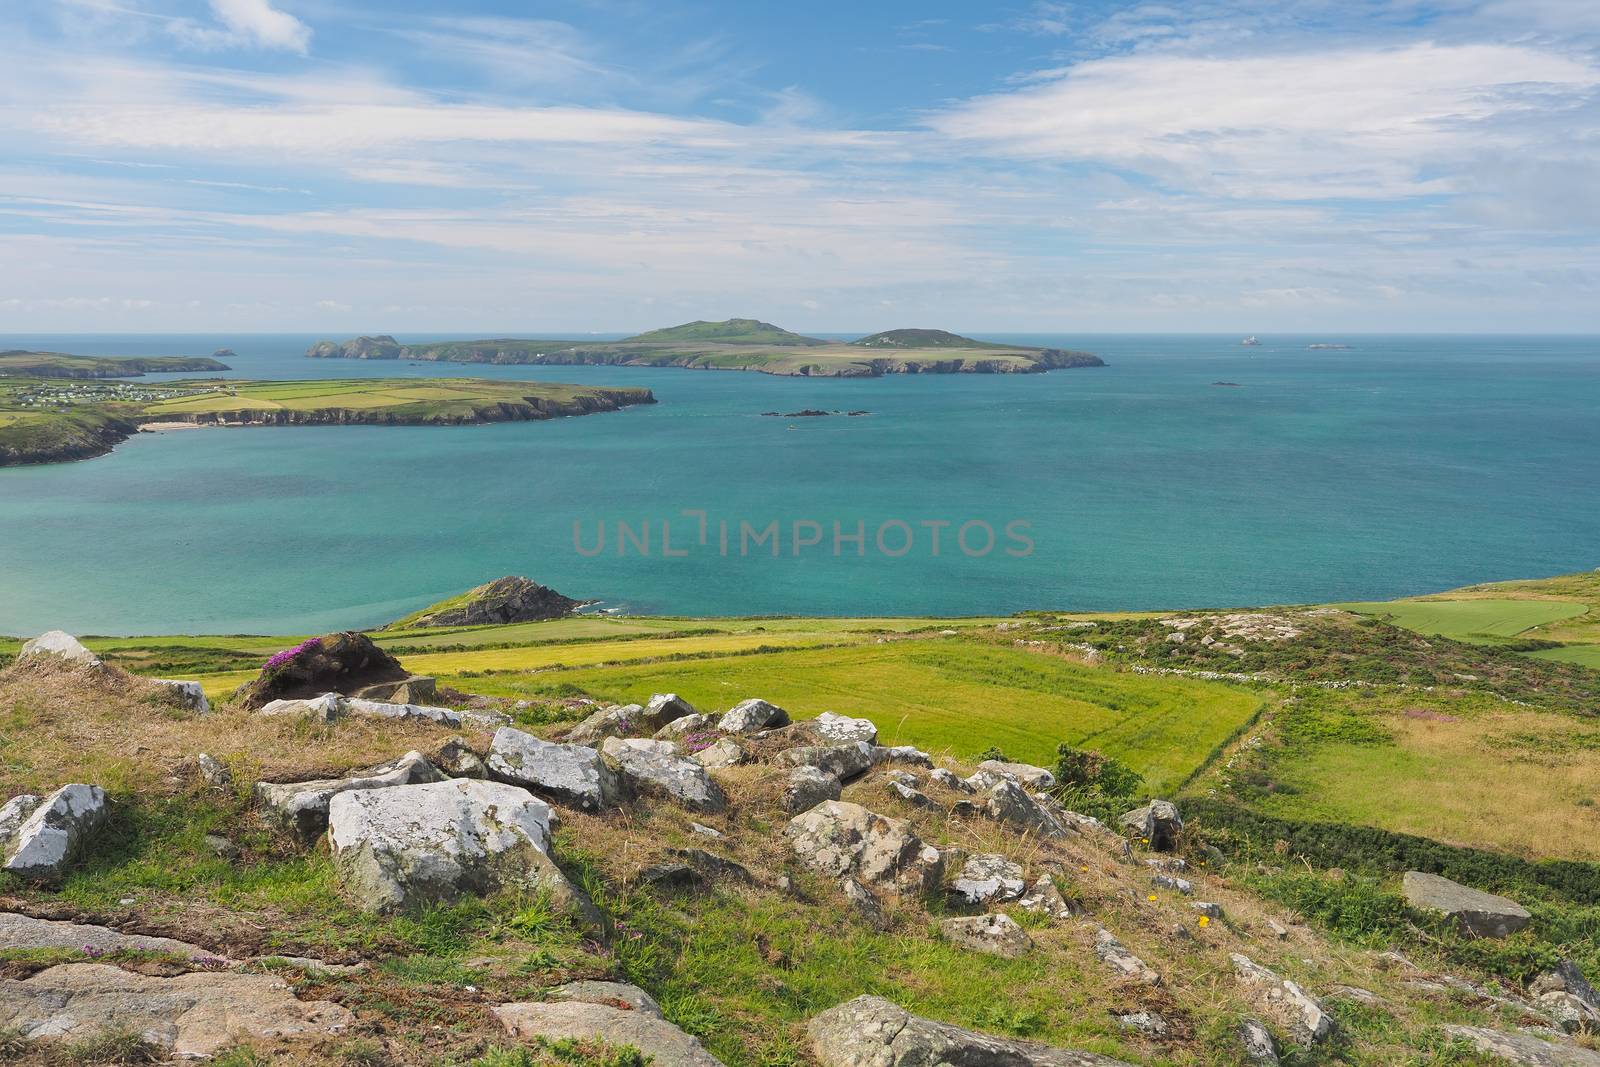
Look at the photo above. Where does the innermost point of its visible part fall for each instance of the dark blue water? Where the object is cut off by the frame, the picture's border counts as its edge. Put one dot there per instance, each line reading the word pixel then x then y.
pixel 1402 465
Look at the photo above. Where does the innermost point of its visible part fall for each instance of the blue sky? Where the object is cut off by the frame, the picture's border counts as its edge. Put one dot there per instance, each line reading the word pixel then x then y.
pixel 406 166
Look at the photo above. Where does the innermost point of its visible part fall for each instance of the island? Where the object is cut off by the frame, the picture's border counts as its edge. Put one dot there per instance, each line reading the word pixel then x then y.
pixel 736 344
pixel 44 421
pixel 17 363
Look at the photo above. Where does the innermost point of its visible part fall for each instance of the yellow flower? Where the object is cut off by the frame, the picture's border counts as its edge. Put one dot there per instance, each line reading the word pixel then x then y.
pixel 1085 870
pixel 1152 896
pixel 1205 920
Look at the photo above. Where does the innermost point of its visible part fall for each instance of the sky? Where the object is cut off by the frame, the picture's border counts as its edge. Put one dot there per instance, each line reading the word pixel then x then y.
pixel 405 166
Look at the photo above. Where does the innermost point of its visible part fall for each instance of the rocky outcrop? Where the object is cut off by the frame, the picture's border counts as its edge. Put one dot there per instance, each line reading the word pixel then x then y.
pixel 567 774
pixel 844 730
pixel 26 933
pixel 1523 1049
pixel 843 762
pixel 608 1012
pixel 39 839
pixel 987 879
pixel 1028 776
pixel 301 808
pixel 381 346
pixel 806 787
pixel 1298 1011
pixel 1008 803
pixel 1477 913
pixel 1116 956
pixel 749 716
pixel 615 721
pixel 191 1016
pixel 1044 898
pixel 504 600
pixel 656 768
pixel 338 663
pixel 843 840
pixel 992 935
pixel 58 646
pixel 873 1032
pixel 1157 822
pixel 413 845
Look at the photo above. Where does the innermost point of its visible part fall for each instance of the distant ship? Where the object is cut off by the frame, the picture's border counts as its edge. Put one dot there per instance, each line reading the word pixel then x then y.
pixel 1251 340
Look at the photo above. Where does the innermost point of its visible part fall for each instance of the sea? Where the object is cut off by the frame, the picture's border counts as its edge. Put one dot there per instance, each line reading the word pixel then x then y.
pixel 1191 471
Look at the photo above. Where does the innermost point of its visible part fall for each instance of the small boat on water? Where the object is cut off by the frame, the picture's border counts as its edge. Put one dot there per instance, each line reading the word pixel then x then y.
pixel 1251 340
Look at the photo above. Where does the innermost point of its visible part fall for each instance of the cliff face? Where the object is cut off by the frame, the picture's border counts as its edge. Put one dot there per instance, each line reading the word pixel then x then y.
pixel 504 600
pixel 381 347
pixel 76 436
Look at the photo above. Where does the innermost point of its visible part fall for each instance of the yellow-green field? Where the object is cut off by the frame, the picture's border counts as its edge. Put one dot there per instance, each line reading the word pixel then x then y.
pixel 444 395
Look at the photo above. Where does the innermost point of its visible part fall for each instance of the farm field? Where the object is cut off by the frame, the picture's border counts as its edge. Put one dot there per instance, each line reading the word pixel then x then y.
pixel 1481 620
pixel 422 396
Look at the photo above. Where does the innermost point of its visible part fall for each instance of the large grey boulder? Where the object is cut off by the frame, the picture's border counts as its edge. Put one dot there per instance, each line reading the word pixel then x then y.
pixel 663 708
pixel 749 716
pixel 188 695
pixel 60 647
pixel 1477 913
pixel 51 832
pixel 384 709
pixel 329 707
pixel 656 767
pixel 301 808
pixel 611 722
pixel 1027 775
pixel 617 1023
pixel 844 762
pixel 840 840
pixel 412 845
pixel 23 932
pixel 1298 1011
pixel 1524 1049
pixel 873 1032
pixel 994 935
pixel 1045 898
pixel 987 879
pixel 1255 1041
pixel 843 730
pixel 192 1016
pixel 684 725
pixel 807 787
pixel 568 774
pixel 614 994
pixel 1111 952
pixel 723 752
pixel 1157 822
pixel 1008 803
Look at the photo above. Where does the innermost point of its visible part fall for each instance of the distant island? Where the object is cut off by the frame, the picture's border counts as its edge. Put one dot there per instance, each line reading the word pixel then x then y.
pixel 43 421
pixel 17 363
pixel 1314 348
pixel 737 344
pixel 810 413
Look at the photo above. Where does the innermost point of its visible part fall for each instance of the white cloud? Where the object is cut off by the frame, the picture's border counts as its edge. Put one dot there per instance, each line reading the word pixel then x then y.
pixel 259 22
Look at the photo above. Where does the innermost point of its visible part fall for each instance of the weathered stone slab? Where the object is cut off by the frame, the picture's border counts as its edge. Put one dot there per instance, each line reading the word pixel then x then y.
pixel 987 879
pixel 26 932
pixel 1476 912
pixel 54 831
pixel 665 1044
pixel 1296 1009
pixel 568 774
pixel 807 787
pixel 843 730
pixel 1524 1049
pixel 844 762
pixel 60 646
pixel 657 767
pixel 302 807
pixel 1115 955
pixel 994 935
pixel 1027 775
pixel 749 716
pixel 841 840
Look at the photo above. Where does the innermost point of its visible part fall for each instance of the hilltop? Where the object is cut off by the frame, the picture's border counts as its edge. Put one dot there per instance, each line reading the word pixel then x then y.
pixel 16 363
pixel 505 600
pixel 736 344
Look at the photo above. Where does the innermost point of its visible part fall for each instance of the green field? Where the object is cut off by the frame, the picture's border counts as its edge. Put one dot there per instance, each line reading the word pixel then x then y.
pixel 1471 620
pixel 947 695
pixel 413 399
pixel 16 363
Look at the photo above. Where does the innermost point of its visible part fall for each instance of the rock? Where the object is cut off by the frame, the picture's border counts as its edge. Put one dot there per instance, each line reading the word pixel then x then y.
pixel 843 730
pixel 993 935
pixel 1045 899
pixel 1157 822
pixel 671 876
pixel 807 787
pixel 844 762
pixel 222 847
pixel 905 778
pixel 1167 881
pixel 568 774
pixel 1073 821
pixel 1571 1012
pixel 1256 1042
pixel 705 831
pixel 380 709
pixel 192 1015
pixel 1564 977
pixel 13 813
pixel 611 994
pixel 965 809
pixel 22 932
pixel 1279 931
pixel 1296 1009
pixel 611 722
pixel 1147 1023
pixel 950 780
pixel 907 754
pixel 712 864
pixel 58 646
pixel 412 845
pixel 213 772
pixel 187 695
pixel 1170 864
pixel 860 898
pixel 1355 995
pixel 873 1032
pixel 340 662
pixel 53 831
pixel 684 725
pixel 1524 1049
pixel 1027 775
pixel 504 600
pixel 1477 913
pixel 915 797
pixel 458 759
pixel 663 708
pixel 1007 803
pixel 302 807
pixel 412 689
pixel 749 716
pixel 656 767
pixel 613 1023
pixel 1115 955
pixel 1207 908
pixel 725 752
pixel 841 840
pixel 329 707
pixel 987 879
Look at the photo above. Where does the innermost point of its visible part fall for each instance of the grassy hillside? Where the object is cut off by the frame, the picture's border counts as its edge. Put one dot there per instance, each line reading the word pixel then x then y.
pixel 925 339
pixel 16 363
pixel 728 331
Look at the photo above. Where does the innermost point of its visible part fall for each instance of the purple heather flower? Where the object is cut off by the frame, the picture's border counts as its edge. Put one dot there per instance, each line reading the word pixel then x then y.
pixel 289 655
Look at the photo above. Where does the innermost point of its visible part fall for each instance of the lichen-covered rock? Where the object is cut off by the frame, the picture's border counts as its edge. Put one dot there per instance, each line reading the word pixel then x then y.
pixel 951 780
pixel 61 647
pixel 841 840
pixel 873 1032
pixel 1524 1050
pixel 1477 913
pixel 723 752
pixel 568 774
pixel 993 935
pixel 13 813
pixel 1115 955
pixel 749 716
pixel 1008 803
pixel 1167 881
pixel 1044 898
pixel 807 787
pixel 53 832
pixel 906 754
pixel 684 725
pixel 615 1024
pixel 328 707
pixel 613 994
pixel 1570 1012
pixel 460 760
pixel 187 695
pixel 1293 1007
pixel 1157 822
pixel 1255 1041
pixel 1148 1023
pixel 1027 775
pixel 987 879
pixel 339 663
pixel 25 933
pixel 844 762
pixel 655 767
pixel 621 721
pixel 413 845
pixel 844 730
pixel 911 795
pixel 302 807
pixel 663 708
pixel 213 771
pixel 192 1015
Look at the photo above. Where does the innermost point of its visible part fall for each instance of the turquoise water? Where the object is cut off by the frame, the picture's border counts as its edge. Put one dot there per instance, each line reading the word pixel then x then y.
pixel 1402 465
